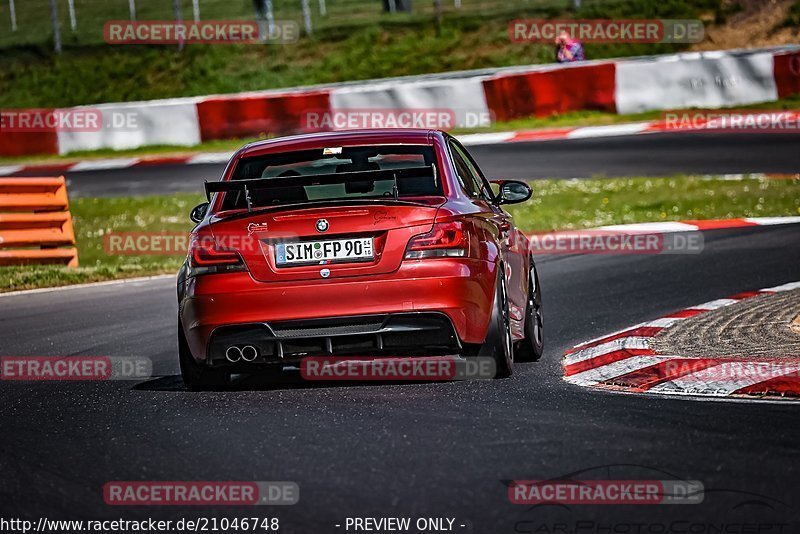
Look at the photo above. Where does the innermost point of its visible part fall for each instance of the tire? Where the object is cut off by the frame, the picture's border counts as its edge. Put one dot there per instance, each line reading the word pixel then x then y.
pixel 498 344
pixel 531 348
pixel 197 377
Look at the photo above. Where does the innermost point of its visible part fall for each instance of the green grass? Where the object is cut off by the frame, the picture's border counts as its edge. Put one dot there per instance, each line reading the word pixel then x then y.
pixel 556 204
pixel 793 17
pixel 359 43
pixel 572 119
pixel 35 26
pixel 93 219
pixel 576 204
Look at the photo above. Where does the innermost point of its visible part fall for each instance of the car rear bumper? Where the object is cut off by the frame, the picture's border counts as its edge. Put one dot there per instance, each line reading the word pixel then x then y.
pixel 415 333
pixel 233 308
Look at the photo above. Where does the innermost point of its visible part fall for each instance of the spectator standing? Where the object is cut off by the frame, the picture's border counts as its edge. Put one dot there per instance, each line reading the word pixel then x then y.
pixel 568 49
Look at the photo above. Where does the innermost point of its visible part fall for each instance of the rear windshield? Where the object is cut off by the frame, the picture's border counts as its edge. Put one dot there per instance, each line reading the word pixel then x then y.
pixel 330 165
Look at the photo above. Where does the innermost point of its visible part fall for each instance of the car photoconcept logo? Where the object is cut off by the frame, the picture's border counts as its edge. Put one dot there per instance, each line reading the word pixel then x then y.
pixel 322 225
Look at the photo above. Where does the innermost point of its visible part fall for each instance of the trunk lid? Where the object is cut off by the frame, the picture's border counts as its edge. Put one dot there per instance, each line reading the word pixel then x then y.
pixel 262 236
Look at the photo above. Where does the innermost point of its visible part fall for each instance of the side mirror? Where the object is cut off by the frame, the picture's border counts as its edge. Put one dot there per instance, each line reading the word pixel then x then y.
pixel 513 191
pixel 199 212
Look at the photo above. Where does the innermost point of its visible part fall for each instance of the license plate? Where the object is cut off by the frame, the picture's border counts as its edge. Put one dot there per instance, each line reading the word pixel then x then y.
pixel 335 250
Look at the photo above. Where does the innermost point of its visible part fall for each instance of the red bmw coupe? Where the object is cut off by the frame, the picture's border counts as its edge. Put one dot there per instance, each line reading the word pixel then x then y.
pixel 357 243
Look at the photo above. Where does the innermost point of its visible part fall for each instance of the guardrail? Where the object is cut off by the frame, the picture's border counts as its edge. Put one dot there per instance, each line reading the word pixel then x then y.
pixel 35 222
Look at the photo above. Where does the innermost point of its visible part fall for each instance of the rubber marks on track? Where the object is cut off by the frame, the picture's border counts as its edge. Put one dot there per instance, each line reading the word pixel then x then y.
pixel 625 361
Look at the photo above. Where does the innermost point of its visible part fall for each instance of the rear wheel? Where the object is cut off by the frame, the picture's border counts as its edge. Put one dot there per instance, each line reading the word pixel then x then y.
pixel 498 344
pixel 532 347
pixel 195 376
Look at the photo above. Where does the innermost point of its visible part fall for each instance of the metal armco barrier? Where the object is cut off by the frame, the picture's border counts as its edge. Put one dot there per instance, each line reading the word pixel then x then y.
pixel 35 222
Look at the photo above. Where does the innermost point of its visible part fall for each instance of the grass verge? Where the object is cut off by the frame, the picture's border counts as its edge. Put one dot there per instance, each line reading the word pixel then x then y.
pixel 576 204
pixel 555 205
pixel 356 47
pixel 93 219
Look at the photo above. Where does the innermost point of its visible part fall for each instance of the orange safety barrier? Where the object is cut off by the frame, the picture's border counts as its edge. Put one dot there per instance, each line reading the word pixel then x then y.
pixel 40 222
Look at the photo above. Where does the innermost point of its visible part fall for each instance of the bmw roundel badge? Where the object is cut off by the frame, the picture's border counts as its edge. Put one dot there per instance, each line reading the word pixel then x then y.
pixel 325 273
pixel 322 225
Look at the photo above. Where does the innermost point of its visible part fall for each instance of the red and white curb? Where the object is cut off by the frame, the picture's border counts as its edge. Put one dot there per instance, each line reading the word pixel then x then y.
pixel 551 134
pixel 117 163
pixel 492 138
pixel 616 130
pixel 625 361
pixel 668 227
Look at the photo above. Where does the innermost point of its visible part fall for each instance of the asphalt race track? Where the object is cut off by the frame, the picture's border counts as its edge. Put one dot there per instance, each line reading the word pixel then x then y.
pixel 411 450
pixel 657 154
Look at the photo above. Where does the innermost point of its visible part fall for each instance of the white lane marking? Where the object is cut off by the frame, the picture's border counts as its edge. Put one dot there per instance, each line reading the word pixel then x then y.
pixel 605 348
pixel 486 138
pixel 101 164
pixel 84 286
pixel 608 131
pixel 211 157
pixel 724 379
pixel 592 377
pixel 784 287
pixel 714 304
pixel 770 221
pixel 652 227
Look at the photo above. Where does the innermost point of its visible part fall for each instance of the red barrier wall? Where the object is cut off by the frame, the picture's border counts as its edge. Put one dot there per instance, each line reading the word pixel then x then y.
pixel 787 73
pixel 555 91
pixel 16 143
pixel 229 117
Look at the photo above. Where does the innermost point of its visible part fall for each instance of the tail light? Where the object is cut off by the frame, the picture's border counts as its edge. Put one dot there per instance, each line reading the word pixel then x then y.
pixel 445 240
pixel 206 256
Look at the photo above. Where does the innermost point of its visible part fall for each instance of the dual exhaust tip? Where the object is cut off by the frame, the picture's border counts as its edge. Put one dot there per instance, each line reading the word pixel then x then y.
pixel 236 353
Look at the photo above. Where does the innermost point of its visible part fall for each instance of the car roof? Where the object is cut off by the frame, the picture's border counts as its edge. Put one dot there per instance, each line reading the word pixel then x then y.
pixel 385 136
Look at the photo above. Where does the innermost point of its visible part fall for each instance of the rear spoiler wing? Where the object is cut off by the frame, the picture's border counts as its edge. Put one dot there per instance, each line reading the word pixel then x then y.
pixel 254 184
